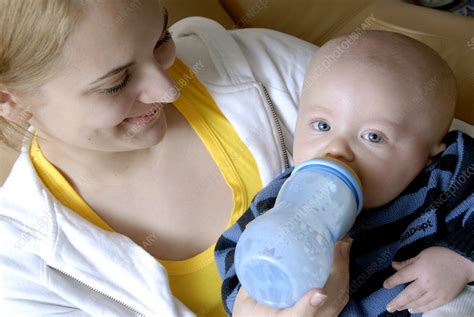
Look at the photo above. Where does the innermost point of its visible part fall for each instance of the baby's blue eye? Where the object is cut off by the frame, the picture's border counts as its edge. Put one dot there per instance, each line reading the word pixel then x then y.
pixel 322 126
pixel 372 137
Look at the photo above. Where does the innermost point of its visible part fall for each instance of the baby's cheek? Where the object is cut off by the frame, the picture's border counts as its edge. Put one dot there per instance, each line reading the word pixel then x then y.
pixel 379 188
pixel 303 152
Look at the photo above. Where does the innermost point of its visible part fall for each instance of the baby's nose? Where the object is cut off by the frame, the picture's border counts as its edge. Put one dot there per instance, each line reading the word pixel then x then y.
pixel 339 149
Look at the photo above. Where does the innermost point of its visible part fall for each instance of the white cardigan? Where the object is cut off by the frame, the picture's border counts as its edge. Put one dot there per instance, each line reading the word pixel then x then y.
pixel 54 262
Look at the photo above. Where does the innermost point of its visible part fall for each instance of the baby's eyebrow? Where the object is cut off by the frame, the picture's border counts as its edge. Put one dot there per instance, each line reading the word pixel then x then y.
pixel 320 109
pixel 383 121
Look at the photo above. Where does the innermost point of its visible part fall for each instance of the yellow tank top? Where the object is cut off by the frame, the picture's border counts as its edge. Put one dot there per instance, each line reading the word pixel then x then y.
pixel 194 281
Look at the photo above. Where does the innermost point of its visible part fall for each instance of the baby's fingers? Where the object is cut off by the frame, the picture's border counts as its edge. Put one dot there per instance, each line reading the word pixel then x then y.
pixel 410 294
pixel 400 265
pixel 405 275
pixel 417 305
pixel 426 308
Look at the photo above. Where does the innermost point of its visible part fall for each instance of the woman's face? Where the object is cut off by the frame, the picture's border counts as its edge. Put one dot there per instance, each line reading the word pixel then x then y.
pixel 113 68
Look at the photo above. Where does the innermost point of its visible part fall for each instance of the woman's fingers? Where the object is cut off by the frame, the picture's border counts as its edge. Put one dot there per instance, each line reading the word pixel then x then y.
pixel 339 278
pixel 307 306
pixel 318 299
pixel 346 238
pixel 337 286
pixel 243 299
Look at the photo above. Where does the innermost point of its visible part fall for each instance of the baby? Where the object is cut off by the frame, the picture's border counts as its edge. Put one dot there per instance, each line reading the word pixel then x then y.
pixel 384 107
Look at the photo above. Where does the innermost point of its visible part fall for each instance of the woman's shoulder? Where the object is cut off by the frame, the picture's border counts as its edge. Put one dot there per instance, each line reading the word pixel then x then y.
pixel 240 55
pixel 24 232
pixel 255 76
pixel 19 258
pixel 25 208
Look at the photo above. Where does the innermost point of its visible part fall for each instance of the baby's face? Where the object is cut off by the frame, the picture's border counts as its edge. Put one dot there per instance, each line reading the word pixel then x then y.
pixel 370 119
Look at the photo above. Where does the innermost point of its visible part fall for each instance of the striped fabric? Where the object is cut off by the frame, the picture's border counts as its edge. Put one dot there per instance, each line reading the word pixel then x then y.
pixel 436 209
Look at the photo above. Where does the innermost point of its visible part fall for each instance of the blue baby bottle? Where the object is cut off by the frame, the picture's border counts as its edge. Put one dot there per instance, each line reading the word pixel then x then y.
pixel 289 250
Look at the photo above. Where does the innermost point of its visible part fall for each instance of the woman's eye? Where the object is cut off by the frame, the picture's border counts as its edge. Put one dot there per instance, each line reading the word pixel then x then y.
pixel 322 126
pixel 118 88
pixel 166 38
pixel 373 137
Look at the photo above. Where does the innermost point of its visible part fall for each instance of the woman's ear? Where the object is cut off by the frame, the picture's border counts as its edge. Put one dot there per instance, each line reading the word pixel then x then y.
pixel 440 147
pixel 12 111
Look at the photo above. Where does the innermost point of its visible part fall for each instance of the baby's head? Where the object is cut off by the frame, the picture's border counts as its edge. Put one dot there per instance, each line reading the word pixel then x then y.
pixel 382 104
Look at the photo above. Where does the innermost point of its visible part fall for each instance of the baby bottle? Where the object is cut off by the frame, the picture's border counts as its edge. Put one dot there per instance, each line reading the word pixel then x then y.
pixel 288 250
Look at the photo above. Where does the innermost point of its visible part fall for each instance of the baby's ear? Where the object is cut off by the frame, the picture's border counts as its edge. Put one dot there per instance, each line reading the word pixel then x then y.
pixel 438 148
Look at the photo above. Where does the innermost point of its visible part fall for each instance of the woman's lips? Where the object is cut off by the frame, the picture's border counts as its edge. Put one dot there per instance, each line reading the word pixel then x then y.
pixel 146 118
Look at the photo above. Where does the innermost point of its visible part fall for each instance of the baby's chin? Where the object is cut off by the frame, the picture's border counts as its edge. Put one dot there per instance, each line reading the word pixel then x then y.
pixel 374 203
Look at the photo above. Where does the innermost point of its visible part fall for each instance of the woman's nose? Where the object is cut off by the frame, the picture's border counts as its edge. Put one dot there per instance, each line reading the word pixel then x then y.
pixel 158 86
pixel 339 149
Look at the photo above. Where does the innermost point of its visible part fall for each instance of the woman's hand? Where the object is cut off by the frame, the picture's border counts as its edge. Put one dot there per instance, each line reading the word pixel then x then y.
pixel 327 302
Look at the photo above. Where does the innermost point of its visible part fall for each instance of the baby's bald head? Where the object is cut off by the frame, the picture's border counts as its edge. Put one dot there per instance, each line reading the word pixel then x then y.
pixel 428 83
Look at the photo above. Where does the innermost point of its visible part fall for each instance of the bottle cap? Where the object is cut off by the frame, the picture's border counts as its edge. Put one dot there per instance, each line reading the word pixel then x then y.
pixel 341 170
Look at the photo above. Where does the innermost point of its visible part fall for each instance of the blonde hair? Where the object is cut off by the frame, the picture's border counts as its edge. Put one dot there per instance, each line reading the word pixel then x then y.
pixel 32 37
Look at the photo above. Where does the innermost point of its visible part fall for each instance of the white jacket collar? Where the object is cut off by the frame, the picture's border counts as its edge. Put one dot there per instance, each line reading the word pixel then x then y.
pixel 220 48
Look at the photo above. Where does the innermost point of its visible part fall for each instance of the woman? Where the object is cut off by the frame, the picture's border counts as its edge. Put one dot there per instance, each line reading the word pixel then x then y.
pixel 99 193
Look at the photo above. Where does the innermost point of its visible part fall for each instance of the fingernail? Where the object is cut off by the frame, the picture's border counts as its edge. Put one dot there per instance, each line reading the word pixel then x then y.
pixel 390 309
pixel 318 299
pixel 411 310
pixel 346 249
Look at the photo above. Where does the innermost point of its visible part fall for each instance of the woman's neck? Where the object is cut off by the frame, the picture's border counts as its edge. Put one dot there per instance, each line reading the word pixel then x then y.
pixel 89 167
pixel 94 167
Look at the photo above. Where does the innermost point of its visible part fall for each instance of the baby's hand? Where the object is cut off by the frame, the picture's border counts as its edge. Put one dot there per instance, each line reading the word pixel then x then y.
pixel 437 275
